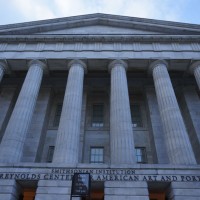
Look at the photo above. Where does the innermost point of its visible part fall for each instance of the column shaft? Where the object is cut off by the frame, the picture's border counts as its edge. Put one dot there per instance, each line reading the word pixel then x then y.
pixel 2 70
pixel 121 133
pixel 195 69
pixel 67 143
pixel 197 75
pixel 1 73
pixel 13 141
pixel 178 144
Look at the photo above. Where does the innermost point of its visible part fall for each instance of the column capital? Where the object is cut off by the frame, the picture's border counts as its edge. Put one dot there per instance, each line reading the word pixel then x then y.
pixel 77 62
pixel 117 62
pixel 193 66
pixel 157 63
pixel 39 63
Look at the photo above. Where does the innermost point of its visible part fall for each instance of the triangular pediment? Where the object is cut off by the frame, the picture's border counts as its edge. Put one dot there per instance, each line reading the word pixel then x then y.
pixel 100 24
pixel 99 29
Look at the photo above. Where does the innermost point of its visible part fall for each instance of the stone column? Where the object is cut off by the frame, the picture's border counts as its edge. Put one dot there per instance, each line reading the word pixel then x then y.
pixel 2 69
pixel 195 69
pixel 176 137
pixel 67 142
pixel 156 136
pixel 12 144
pixel 121 131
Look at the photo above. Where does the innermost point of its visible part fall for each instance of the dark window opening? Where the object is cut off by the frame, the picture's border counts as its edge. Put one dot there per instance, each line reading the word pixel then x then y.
pixel 50 153
pixel 136 115
pixel 98 115
pixel 57 115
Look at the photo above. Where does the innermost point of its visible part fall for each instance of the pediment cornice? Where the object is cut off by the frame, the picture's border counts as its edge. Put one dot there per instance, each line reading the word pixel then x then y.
pixel 43 26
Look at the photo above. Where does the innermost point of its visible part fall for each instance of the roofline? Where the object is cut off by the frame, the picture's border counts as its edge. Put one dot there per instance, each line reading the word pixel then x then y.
pixel 100 15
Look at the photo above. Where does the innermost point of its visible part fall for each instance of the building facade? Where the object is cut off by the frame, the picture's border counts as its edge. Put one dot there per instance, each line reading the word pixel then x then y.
pixel 116 97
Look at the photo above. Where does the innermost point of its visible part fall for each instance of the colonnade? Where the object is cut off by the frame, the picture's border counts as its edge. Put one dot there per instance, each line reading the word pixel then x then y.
pixel 121 133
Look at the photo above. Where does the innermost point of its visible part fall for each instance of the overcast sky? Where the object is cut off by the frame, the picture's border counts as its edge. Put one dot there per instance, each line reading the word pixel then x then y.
pixel 15 11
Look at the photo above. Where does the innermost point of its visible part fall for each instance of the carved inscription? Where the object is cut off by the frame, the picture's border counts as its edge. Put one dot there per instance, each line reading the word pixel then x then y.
pixel 101 175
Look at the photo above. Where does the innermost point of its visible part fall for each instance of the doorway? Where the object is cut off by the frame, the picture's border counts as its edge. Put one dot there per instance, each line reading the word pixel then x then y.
pixel 27 194
pixel 158 190
pixel 28 190
pixel 157 196
pixel 97 191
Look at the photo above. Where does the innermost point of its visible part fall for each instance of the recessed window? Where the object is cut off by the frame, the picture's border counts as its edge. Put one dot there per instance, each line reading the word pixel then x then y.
pixel 140 155
pixel 136 115
pixel 57 115
pixel 50 153
pixel 98 115
pixel 96 155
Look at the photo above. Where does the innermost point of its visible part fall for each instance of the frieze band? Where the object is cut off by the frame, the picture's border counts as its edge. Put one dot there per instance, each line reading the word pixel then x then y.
pixel 132 175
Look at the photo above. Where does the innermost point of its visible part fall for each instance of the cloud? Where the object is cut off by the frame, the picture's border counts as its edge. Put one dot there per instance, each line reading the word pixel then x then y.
pixel 65 8
pixel 156 9
pixel 45 9
pixel 33 9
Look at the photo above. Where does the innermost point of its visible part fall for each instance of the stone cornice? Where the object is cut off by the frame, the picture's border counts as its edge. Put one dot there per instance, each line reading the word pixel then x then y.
pixel 100 38
pixel 103 19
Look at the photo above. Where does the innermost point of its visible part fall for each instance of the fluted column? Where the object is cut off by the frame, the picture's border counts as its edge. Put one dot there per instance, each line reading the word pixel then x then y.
pixel 67 142
pixel 195 69
pixel 121 132
pixel 13 141
pixel 2 69
pixel 177 141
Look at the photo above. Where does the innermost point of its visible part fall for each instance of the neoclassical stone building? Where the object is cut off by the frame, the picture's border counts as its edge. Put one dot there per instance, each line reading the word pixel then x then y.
pixel 116 97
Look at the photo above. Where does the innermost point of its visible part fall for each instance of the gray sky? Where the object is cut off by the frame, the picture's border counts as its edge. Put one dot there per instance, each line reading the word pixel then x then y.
pixel 15 11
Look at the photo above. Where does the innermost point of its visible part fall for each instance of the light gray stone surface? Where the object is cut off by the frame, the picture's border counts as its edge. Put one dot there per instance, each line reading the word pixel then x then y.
pixel 157 133
pixel 1 72
pixel 178 144
pixel 184 191
pixel 191 113
pixel 82 131
pixel 67 142
pixel 15 134
pixel 7 100
pixel 51 190
pixel 178 43
pixel 195 69
pixel 9 190
pixel 37 131
pixel 51 132
pixel 126 190
pixel 121 133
